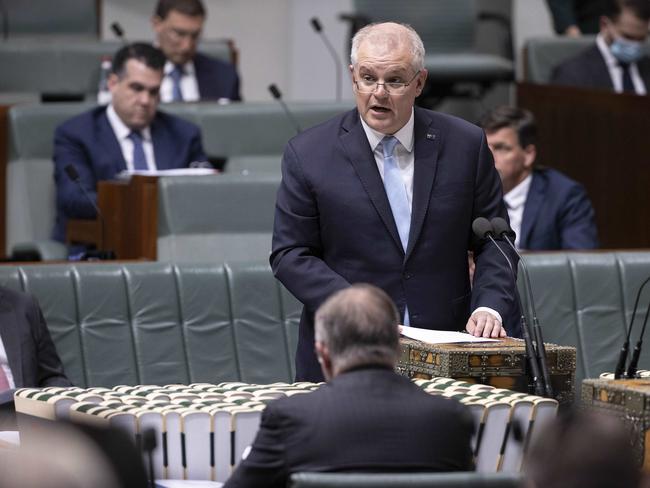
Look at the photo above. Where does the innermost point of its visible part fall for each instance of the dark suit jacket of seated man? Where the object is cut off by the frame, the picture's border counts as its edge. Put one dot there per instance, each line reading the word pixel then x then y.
pixel 616 62
pixel 367 417
pixel 547 209
pixel 334 222
pixel 178 25
pixel 99 143
pixel 30 353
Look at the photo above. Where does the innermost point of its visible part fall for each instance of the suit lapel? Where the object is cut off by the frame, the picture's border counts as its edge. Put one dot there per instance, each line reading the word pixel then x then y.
pixel 109 142
pixel 11 340
pixel 534 201
pixel 356 145
pixel 426 145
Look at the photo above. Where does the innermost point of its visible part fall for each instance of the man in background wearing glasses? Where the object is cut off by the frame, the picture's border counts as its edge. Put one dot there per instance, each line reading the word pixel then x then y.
pixel 190 75
pixel 386 194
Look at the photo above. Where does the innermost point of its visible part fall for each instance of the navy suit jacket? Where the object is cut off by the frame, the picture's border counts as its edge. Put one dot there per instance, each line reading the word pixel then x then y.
pixel 334 225
pixel 216 79
pixel 557 214
pixel 363 420
pixel 88 142
pixel 588 69
pixel 31 354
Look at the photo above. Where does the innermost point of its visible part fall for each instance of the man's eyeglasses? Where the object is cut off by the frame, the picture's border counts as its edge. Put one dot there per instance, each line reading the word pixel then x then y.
pixel 367 84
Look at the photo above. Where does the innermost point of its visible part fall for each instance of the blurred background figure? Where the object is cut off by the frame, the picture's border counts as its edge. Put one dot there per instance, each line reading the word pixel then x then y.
pixel 574 18
pixel 583 450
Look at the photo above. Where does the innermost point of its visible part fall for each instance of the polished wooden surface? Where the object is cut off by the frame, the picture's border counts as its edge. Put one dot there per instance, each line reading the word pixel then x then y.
pixel 602 140
pixel 130 210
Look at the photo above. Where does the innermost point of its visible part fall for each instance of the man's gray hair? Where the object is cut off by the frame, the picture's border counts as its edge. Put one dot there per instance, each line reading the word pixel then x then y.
pixel 380 36
pixel 359 326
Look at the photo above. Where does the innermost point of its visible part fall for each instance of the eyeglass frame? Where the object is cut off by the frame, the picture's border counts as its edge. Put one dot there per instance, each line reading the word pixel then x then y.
pixel 404 85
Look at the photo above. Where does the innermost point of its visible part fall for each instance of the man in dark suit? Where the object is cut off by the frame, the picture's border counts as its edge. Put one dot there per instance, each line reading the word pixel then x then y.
pixel 574 18
pixel 129 134
pixel 386 194
pixel 547 209
pixel 28 357
pixel 189 75
pixel 367 417
pixel 617 61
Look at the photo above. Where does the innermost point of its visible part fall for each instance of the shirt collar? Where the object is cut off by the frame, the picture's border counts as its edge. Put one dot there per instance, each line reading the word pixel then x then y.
pixel 609 58
pixel 188 68
pixel 404 135
pixel 120 129
pixel 516 197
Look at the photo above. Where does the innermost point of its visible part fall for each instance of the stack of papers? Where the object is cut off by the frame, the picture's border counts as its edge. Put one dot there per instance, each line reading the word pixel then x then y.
pixel 441 336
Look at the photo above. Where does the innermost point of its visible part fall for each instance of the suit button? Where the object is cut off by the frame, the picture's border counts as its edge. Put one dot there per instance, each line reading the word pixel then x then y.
pixel 408 276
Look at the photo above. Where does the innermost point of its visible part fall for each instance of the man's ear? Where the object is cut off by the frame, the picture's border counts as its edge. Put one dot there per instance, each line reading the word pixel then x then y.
pixel 112 81
pixel 324 359
pixel 156 23
pixel 531 154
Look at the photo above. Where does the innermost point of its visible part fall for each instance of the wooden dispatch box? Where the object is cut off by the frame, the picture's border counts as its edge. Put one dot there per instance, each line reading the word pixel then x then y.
pixel 628 400
pixel 500 364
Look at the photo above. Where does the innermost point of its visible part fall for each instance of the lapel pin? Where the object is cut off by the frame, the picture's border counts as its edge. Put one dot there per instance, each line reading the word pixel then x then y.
pixel 431 136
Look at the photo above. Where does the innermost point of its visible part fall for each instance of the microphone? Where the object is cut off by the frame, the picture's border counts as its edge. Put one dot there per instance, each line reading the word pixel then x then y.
pixel 119 32
pixel 275 92
pixel 318 28
pixel 631 370
pixel 503 229
pixel 482 228
pixel 72 173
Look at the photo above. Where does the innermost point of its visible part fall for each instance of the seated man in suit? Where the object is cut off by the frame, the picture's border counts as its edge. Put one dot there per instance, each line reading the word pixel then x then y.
pixel 547 209
pixel 617 61
pixel 189 75
pixel 366 417
pixel 128 134
pixel 28 357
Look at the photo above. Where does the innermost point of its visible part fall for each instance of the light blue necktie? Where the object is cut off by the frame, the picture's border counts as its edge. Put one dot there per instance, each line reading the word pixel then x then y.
pixel 139 159
pixel 176 74
pixel 396 193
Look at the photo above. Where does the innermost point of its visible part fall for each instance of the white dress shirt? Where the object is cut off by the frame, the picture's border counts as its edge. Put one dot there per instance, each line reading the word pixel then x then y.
pixel 122 132
pixel 406 163
pixel 615 70
pixel 515 201
pixel 4 364
pixel 189 85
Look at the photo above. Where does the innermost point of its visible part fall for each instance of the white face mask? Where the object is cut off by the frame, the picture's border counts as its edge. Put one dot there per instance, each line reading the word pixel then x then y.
pixel 626 51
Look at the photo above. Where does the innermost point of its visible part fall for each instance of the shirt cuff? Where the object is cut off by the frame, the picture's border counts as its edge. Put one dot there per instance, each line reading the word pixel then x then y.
pixel 491 311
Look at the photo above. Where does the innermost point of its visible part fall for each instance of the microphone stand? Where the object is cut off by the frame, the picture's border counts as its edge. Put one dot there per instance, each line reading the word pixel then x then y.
pixel 631 370
pixel 620 366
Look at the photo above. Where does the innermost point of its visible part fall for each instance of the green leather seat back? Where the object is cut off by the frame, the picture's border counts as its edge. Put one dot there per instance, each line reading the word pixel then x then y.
pixel 157 323
pixel 216 218
pixel 38 17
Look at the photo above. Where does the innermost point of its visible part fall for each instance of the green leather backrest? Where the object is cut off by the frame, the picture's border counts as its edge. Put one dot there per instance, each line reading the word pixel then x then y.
pixel 65 66
pixel 585 300
pixel 468 479
pixel 216 218
pixel 38 17
pixel 156 323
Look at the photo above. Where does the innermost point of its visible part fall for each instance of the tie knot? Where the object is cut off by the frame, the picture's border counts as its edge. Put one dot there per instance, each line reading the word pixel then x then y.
pixel 388 144
pixel 177 73
pixel 135 136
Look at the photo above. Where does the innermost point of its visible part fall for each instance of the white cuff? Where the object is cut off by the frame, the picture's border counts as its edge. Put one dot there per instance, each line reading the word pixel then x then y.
pixel 491 311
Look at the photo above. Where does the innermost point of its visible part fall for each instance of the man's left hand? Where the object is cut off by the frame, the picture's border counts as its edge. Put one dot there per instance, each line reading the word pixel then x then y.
pixel 484 324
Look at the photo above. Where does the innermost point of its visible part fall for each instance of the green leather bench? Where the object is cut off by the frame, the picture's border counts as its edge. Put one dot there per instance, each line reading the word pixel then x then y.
pixel 406 480
pixel 136 323
pixel 251 136
pixel 68 67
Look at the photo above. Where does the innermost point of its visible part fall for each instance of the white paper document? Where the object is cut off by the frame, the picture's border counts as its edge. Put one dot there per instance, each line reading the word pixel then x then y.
pixel 441 336
pixel 126 174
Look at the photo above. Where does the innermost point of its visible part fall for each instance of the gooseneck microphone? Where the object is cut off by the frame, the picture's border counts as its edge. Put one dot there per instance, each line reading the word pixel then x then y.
pixel 503 230
pixel 482 228
pixel 72 173
pixel 318 28
pixel 622 357
pixel 631 370
pixel 275 92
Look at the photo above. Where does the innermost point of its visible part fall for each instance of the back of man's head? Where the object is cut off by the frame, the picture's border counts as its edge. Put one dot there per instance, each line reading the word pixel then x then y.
pixel 150 56
pixel 520 120
pixel 358 327
pixel 583 449
pixel 193 8
pixel 640 8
